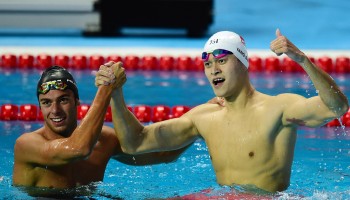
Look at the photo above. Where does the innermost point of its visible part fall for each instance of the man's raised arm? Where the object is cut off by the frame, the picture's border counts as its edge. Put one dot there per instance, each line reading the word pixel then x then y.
pixel 136 138
pixel 329 104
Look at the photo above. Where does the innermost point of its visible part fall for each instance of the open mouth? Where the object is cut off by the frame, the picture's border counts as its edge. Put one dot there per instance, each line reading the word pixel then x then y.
pixel 217 81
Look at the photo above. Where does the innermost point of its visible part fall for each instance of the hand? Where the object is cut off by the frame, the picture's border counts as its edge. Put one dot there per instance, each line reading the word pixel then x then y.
pixel 119 73
pixel 282 45
pixel 217 100
pixel 111 73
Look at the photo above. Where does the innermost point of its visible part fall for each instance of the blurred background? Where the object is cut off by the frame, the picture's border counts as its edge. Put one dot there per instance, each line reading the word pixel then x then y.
pixel 311 24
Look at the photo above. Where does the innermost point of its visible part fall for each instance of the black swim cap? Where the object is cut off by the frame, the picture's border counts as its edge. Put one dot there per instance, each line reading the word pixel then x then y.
pixel 56 78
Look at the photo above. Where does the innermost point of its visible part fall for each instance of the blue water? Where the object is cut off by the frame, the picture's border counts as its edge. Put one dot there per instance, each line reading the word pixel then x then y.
pixel 321 168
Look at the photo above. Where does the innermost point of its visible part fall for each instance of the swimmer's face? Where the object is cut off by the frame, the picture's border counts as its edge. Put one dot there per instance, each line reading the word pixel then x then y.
pixel 59 109
pixel 224 74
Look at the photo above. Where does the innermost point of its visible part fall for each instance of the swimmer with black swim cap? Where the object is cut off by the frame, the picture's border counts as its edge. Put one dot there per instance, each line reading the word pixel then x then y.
pixel 56 78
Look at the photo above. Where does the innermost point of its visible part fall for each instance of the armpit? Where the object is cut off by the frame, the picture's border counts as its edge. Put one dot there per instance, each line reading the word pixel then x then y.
pixel 297 121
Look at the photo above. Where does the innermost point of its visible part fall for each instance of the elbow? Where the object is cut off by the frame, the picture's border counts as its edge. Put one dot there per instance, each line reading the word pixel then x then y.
pixel 129 150
pixel 80 153
pixel 343 110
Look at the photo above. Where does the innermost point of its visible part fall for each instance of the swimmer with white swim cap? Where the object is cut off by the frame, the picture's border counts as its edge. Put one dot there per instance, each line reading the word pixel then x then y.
pixel 251 138
pixel 229 41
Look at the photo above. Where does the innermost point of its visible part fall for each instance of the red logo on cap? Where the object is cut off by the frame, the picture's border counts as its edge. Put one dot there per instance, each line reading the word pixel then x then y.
pixel 242 40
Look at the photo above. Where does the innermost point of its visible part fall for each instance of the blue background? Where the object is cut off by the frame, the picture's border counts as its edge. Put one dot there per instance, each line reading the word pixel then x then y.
pixel 310 24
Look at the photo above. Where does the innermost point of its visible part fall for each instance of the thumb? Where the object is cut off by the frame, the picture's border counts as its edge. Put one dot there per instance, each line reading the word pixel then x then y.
pixel 278 32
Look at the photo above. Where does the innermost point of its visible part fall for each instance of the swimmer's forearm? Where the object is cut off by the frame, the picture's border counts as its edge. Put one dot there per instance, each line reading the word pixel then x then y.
pixel 327 89
pixel 127 127
pixel 87 133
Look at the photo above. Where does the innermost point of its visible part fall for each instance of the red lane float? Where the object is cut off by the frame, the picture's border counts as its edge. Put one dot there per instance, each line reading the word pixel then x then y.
pixel 28 112
pixel 26 61
pixel 290 66
pixel 166 63
pixel 8 61
pixel 9 112
pixel 115 58
pixel 95 61
pixel 61 60
pixel 184 63
pixel 131 62
pixel 342 65
pixel 79 61
pixel 108 116
pixel 149 63
pixel 178 111
pixel 198 64
pixel 43 61
pixel 144 113
pixel 82 110
pixel 160 113
pixel 325 63
pixel 272 64
pixel 255 64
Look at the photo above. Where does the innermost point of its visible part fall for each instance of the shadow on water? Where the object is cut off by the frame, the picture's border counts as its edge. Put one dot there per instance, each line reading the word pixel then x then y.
pixel 90 191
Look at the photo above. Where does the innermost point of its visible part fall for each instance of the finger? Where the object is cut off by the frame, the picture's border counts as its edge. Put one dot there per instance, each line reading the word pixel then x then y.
pixel 99 82
pixel 104 80
pixel 106 72
pixel 221 101
pixel 278 33
pixel 117 66
pixel 109 64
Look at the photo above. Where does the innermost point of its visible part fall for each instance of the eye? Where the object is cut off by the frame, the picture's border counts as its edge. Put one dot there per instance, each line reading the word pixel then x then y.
pixel 207 64
pixel 222 61
pixel 64 100
pixel 45 103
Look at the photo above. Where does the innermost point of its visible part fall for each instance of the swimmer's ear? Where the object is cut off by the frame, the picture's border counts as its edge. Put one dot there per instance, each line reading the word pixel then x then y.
pixel 77 102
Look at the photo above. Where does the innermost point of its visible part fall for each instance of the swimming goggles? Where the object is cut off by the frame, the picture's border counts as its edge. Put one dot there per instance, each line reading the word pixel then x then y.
pixel 217 53
pixel 52 85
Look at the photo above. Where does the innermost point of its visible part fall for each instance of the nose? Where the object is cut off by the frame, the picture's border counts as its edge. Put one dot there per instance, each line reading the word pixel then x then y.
pixel 215 71
pixel 56 108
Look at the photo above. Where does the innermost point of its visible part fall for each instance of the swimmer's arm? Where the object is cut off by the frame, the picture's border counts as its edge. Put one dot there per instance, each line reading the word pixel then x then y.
pixel 301 111
pixel 150 158
pixel 79 145
pixel 136 138
pixel 110 141
pixel 331 100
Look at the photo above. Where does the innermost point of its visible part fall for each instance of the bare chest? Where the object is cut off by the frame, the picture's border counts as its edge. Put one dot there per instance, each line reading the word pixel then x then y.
pixel 241 136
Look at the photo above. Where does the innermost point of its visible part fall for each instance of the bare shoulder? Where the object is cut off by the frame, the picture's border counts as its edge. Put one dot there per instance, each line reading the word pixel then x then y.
pixel 203 109
pixel 283 101
pixel 289 97
pixel 30 138
pixel 27 142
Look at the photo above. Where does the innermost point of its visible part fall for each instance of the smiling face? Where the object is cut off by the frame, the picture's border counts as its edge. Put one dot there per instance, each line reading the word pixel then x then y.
pixel 226 75
pixel 59 109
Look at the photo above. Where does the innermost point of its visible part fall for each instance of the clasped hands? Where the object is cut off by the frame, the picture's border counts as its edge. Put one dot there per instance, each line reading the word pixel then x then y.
pixel 111 73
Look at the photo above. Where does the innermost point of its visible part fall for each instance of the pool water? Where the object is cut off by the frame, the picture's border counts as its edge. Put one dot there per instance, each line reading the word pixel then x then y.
pixel 321 168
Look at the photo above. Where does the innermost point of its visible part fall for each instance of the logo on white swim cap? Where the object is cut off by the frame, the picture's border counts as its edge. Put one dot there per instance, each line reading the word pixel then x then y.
pixel 229 41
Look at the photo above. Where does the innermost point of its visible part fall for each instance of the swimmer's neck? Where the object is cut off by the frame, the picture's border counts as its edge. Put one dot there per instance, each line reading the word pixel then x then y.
pixel 241 99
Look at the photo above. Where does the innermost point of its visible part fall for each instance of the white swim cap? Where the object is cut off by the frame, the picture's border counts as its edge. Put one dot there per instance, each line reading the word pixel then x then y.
pixel 229 41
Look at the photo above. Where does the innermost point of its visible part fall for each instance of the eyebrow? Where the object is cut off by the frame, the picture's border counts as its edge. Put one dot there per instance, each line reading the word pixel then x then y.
pixel 59 97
